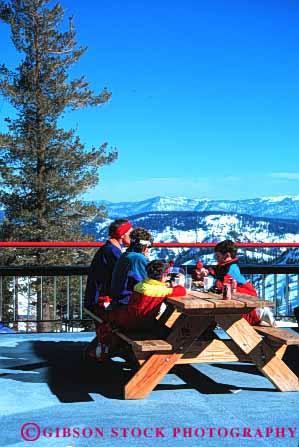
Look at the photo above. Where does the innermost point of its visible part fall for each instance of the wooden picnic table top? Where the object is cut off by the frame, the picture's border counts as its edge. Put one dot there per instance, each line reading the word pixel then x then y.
pixel 196 300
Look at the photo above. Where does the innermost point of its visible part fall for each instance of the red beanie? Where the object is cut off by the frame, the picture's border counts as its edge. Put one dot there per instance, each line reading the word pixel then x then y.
pixel 171 263
pixel 199 265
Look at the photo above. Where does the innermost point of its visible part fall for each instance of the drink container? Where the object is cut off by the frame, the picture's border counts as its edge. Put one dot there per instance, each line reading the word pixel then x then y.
pixel 176 281
pixel 233 285
pixel 206 283
pixel 188 282
pixel 227 292
pixel 182 280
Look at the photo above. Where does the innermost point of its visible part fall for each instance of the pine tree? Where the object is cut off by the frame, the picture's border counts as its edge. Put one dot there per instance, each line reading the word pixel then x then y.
pixel 44 169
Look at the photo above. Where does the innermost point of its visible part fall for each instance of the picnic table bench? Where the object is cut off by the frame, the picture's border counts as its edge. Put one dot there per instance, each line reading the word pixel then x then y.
pixel 190 340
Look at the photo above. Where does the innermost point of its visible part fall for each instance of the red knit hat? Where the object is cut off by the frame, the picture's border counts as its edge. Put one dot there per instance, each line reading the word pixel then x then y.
pixel 199 265
pixel 122 229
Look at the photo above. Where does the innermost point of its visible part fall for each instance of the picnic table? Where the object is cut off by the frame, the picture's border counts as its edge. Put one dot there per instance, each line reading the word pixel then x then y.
pixel 190 340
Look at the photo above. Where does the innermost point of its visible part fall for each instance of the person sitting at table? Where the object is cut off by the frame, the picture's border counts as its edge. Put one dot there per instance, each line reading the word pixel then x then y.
pixel 228 268
pixel 143 307
pixel 198 274
pixel 176 275
pixel 97 291
pixel 131 267
pixel 98 284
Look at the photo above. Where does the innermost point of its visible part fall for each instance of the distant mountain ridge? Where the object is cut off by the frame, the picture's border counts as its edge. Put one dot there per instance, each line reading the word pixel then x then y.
pixel 207 226
pixel 194 226
pixel 281 207
pixel 277 207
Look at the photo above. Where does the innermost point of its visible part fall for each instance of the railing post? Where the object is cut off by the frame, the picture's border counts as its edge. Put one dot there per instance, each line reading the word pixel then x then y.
pixel 81 297
pixel 67 302
pixel 14 298
pixel 275 295
pixel 263 286
pixel 1 298
pixel 55 298
pixel 28 304
pixel 287 295
pixel 41 299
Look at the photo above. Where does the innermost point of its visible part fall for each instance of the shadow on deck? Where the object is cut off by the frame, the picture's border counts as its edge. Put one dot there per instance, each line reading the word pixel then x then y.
pixel 72 379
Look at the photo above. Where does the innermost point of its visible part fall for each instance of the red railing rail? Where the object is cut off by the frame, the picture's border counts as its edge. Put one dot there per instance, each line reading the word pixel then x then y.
pixel 156 244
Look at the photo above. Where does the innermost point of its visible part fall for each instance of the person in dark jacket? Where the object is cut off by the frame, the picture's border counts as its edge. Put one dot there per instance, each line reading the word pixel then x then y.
pixel 98 285
pixel 97 292
pixel 129 269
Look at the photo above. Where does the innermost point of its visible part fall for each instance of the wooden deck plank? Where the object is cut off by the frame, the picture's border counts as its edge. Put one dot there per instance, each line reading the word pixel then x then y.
pixel 199 294
pixel 209 303
pixel 252 301
pixel 221 303
pixel 207 300
pixel 190 303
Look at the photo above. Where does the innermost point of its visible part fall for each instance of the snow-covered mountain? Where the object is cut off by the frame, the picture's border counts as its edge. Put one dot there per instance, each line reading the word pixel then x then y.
pixel 284 207
pixel 280 207
pixel 152 204
pixel 192 226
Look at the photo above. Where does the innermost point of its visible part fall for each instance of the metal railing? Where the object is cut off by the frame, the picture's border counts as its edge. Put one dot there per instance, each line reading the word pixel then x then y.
pixel 30 295
pixel 59 289
pixel 62 289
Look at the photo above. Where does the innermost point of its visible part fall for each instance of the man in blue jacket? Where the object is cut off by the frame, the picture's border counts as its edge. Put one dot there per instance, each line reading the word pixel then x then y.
pixel 131 267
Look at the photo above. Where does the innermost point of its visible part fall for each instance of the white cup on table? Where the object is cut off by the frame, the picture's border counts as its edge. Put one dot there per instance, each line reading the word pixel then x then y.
pixel 188 282
pixel 176 281
pixel 208 282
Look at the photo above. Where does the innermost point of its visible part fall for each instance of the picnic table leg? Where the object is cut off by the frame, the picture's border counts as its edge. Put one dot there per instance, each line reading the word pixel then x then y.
pixel 259 351
pixel 184 332
pixel 149 375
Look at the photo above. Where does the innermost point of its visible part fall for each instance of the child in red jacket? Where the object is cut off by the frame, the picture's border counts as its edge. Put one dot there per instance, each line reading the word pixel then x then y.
pixel 143 307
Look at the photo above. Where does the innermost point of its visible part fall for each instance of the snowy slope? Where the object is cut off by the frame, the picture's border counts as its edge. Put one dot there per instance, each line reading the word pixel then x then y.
pixel 208 227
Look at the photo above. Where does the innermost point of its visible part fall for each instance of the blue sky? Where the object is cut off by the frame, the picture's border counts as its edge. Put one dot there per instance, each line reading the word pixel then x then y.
pixel 205 96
